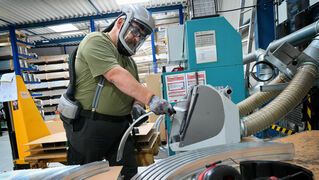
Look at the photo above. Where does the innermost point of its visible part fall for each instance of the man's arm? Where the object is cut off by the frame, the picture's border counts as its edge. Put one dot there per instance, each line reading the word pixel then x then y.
pixel 124 80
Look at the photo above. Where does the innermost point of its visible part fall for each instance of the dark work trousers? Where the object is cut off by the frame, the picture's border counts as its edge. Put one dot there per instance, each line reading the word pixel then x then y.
pixel 94 140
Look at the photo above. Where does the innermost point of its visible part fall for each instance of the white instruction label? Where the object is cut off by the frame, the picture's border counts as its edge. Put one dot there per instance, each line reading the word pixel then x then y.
pixel 8 88
pixel 205 46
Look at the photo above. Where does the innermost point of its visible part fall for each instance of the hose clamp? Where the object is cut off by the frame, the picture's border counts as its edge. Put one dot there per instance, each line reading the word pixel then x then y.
pixel 243 130
pixel 309 63
pixel 316 27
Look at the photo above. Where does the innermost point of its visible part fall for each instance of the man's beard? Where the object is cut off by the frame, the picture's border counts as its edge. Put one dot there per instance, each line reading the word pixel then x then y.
pixel 131 42
pixel 121 49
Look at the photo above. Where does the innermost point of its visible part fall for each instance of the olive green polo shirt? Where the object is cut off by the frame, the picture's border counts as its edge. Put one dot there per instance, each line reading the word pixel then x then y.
pixel 96 55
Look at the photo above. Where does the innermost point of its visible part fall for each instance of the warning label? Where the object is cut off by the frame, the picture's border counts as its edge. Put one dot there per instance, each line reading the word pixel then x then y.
pixel 178 85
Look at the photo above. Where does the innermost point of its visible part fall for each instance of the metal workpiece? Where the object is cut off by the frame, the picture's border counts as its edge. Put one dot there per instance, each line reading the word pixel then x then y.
pixel 283 103
pixel 67 172
pixel 187 164
pixel 158 122
pixel 125 136
pixel 296 38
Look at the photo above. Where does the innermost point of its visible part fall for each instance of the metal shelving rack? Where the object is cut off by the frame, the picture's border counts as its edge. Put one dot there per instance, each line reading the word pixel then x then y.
pixel 16 55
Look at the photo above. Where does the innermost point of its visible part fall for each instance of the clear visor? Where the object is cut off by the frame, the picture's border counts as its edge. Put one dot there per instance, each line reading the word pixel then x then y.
pixel 135 36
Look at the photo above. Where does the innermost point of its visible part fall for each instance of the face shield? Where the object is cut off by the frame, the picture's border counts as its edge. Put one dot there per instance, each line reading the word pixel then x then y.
pixel 137 27
pixel 135 35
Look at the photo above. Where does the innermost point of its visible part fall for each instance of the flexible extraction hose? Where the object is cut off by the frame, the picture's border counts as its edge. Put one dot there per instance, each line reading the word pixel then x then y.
pixel 256 100
pixel 285 102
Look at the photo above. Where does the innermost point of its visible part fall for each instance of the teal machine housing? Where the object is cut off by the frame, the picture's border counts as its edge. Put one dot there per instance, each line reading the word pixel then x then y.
pixel 226 68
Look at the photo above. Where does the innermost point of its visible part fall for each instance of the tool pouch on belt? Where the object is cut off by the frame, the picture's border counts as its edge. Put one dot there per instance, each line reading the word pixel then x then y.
pixel 69 109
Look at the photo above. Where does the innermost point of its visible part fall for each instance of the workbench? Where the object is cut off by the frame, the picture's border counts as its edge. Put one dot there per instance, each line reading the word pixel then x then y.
pixel 300 149
pixel 306 150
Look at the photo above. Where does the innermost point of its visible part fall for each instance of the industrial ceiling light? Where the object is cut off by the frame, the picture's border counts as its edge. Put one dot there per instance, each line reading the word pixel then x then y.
pixel 63 27
pixel 123 2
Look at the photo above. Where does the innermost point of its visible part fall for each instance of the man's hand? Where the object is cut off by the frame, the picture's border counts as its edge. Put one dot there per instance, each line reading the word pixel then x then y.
pixel 138 111
pixel 160 106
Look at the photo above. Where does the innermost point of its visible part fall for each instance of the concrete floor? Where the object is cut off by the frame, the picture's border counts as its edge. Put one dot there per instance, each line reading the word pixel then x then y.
pixel 5 153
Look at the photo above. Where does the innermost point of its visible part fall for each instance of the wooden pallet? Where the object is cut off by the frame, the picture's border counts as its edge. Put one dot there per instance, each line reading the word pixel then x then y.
pixel 146 156
pixel 5 38
pixel 41 149
pixel 18 43
pixel 306 149
pixel 48 149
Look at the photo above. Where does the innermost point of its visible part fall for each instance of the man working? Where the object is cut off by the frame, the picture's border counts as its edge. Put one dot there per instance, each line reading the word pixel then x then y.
pixel 107 54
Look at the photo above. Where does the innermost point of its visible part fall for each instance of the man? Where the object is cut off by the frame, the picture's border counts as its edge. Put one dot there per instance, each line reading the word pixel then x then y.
pixel 94 138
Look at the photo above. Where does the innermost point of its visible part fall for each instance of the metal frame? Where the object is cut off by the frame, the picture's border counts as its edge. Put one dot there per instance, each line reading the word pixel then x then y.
pixel 86 18
pixel 57 41
pixel 15 54
pixel 12 29
pixel 264 18
pixel 181 21
pixel 92 25
pixel 265 25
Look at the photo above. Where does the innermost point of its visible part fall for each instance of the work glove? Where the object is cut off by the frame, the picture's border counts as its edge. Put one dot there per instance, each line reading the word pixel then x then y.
pixel 138 111
pixel 160 106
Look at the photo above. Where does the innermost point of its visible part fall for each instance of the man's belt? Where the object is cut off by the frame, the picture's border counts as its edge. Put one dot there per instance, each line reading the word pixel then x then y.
pixel 105 117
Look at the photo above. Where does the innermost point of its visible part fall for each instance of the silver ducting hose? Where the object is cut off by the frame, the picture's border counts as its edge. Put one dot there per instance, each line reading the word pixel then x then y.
pixel 296 38
pixel 256 100
pixel 252 57
pixel 285 102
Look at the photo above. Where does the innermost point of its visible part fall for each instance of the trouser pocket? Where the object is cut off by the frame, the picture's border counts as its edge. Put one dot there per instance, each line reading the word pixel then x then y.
pixel 78 124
